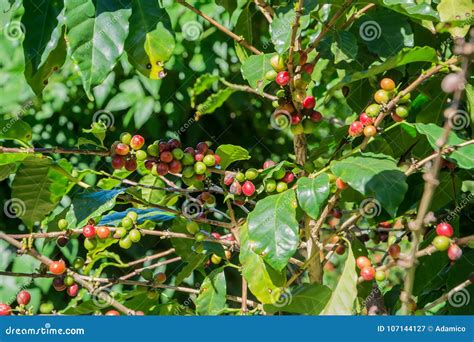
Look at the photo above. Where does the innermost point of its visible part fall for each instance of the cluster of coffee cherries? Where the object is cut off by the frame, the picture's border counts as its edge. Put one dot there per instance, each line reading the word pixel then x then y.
pixel 168 157
pixel 382 97
pixel 64 281
pixel 442 242
pixel 301 121
pixel 367 271
pixel 22 299
pixel 127 151
pixel 243 183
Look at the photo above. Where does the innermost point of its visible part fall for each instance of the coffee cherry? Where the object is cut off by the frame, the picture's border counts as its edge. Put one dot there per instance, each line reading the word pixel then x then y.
pixel 153 150
pixel 340 184
pixel 131 165
pixel 454 252
pixel 215 259
pixel 235 188
pixel 140 155
pixel 209 160
pixel 365 119
pixel 268 163
pixel 166 157
pixel 175 167
pixel 251 174
pixel 401 111
pixel 200 168
pixel 385 224
pixel 188 159
pixel 137 142
pixel 68 280
pixel 160 277
pixel 46 308
pixel 380 275
pixel 270 75
pixel 309 102
pixel 367 273
pixel 120 232
pixel 270 185
pixel 396 118
pixel 103 232
pixel 200 178
pixel 192 227
pixel 381 96
pixel 279 174
pixel 441 243
pixel 295 119
pixel 174 144
pixel 112 313
pixel 308 68
pixel 289 177
pixel 277 63
pixel 125 138
pixel 23 297
pixel 337 213
pixel 5 309
pixel 356 128
pixel 444 229
pixel 240 177
pixel 199 157
pixel 283 78
pixel 451 83
pixel 62 224
pixel 177 153
pixel 78 263
pixel 387 84
pixel 370 131
pixel 125 242
pixel 90 244
pixel 281 186
pixel 58 284
pixel 62 241
pixel 202 147
pixel 405 98
pixel 132 215
pixel 363 262
pixel 228 178
pixel 88 231
pixel 394 251
pixel 315 116
pixel 373 110
pixel 248 189
pixel 57 267
pixel 121 149
pixel 135 235
pixel 73 290
pixel 199 237
pixel 162 169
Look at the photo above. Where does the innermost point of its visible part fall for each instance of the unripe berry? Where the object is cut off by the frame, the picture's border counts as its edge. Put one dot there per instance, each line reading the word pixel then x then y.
pixel 381 96
pixel 454 252
pixel 137 142
pixel 309 102
pixel 140 155
pixel 270 185
pixel 396 118
pixel 153 150
pixel 23 297
pixel 240 177
pixel 251 174
pixel 78 263
pixel 373 110
pixel 367 273
pixel 380 275
pixel 277 63
pixel 200 168
pixel 441 243
pixel 103 232
pixel 192 227
pixel 215 259
pixel 62 224
pixel 125 242
pixel 370 131
pixel 135 235
pixel 297 129
pixel 283 78
pixel 209 160
pixel 248 189
pixel 444 229
pixel 281 186
pixel 402 111
pixel 387 84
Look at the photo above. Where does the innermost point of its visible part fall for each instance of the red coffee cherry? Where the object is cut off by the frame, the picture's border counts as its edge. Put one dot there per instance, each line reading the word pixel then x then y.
pixel 57 267
pixel 23 297
pixel 103 232
pixel 356 128
pixel 5 309
pixel 112 313
pixel 309 102
pixel 118 162
pixel 137 142
pixel 365 119
pixel 73 290
pixel 248 189
pixel 444 229
pixel 289 177
pixel 131 165
pixel 268 163
pixel 454 252
pixel 340 184
pixel 367 273
pixel 363 262
pixel 387 84
pixel 282 78
pixel 88 231
pixel 394 251
pixel 316 116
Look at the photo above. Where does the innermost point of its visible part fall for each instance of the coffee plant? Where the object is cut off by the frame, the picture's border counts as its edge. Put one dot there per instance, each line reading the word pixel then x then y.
pixel 263 157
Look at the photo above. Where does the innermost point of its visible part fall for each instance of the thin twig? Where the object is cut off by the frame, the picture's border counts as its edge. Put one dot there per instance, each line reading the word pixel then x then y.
pixel 248 89
pixel 266 10
pixel 52 150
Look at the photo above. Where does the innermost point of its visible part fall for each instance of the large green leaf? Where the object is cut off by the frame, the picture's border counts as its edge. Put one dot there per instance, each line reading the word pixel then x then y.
pixel 194 262
pixel 255 68
pixel 44 45
pixel 203 83
pixel 37 189
pixel 464 156
pixel 412 9
pixel 231 153
pixel 374 175
pixel 146 15
pixel 312 194
pixel 159 46
pixel 263 281
pixel 456 12
pixel 214 101
pixel 7 158
pixel 212 294
pixel 345 293
pixel 307 299
pixel 405 56
pixel 280 29
pixel 273 228
pixel 15 129
pixel 96 32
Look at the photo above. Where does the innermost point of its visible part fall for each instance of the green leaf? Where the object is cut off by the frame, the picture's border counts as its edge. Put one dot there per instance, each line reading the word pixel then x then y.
pixel 312 194
pixel 214 101
pixel 159 46
pixel 96 32
pixel 230 154
pixel 420 11
pixel 374 175
pixel 255 68
pixel 183 247
pixel 464 156
pixel 152 195
pixel 263 281
pixel 281 28
pixel 143 111
pixel 307 299
pixel 460 272
pixel 7 158
pixel 38 187
pixel 194 262
pixel 203 83
pixel 243 28
pixel 405 56
pixel 90 204
pixel 345 293
pixel 15 129
pixel 345 47
pixel 6 170
pixel 146 15
pixel 212 294
pixel 273 228
pixel 44 46
pixel 452 11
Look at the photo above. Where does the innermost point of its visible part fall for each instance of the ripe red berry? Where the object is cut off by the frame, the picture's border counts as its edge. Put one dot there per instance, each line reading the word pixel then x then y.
pixel 73 290
pixel 308 68
pixel 131 165
pixel 394 251
pixel 137 142
pixel 23 297
pixel 295 119
pixel 163 146
pixel 289 177
pixel 199 157
pixel 336 213
pixel 228 178
pixel 367 273
pixel 190 150
pixel 175 167
pixel 5 309
pixel 103 232
pixel 385 224
pixel 282 78
pixel 248 189
pixel 57 267
pixel 217 236
pixel 454 252
pixel 166 157
pixel 340 184
pixel 118 162
pixel 88 231
pixel 174 143
pixel 160 277
pixel 365 119
pixel 356 128
pixel 268 163
pixel 149 164
pixel 162 169
pixel 202 147
pixel 309 102
pixel 58 284
pixel 316 116
pixel 235 188
pixel 122 149
pixel 112 313
pixel 444 229
pixel 363 262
